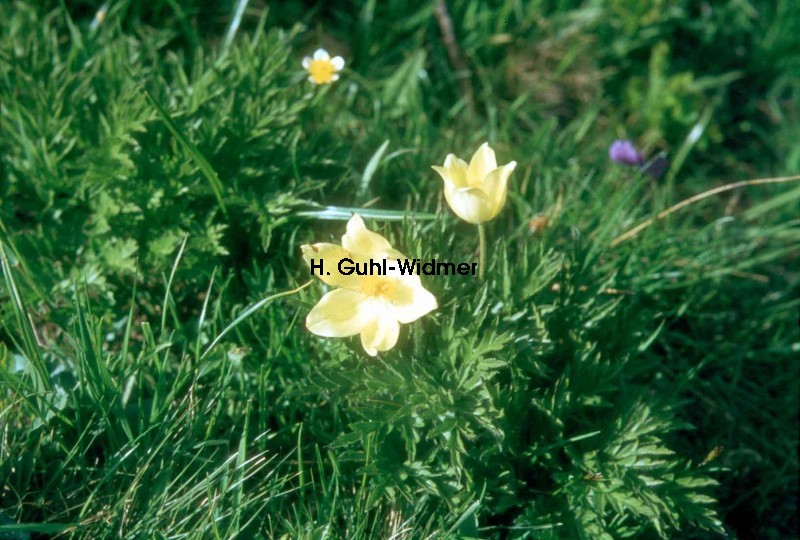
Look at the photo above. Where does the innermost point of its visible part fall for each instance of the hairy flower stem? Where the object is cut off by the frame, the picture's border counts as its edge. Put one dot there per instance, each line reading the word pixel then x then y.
pixel 481 250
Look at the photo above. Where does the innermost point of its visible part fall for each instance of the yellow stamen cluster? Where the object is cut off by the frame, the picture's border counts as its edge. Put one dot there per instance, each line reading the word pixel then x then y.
pixel 321 71
pixel 377 287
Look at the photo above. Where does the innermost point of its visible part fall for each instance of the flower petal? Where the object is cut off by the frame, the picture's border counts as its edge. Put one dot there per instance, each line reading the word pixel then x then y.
pixel 454 171
pixel 380 334
pixel 338 63
pixel 411 300
pixel 496 186
pixel 306 62
pixel 321 54
pixel 623 151
pixel 340 313
pixel 363 243
pixel 470 204
pixel 329 255
pixel 482 163
pixel 335 77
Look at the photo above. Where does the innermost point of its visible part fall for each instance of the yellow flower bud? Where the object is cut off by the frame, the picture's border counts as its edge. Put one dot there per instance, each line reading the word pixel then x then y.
pixel 476 192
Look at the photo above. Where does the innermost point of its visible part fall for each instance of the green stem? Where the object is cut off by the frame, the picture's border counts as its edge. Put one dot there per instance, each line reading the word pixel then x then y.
pixel 481 250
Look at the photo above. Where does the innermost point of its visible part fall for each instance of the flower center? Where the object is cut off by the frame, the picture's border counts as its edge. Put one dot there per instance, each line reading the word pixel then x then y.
pixel 377 287
pixel 321 71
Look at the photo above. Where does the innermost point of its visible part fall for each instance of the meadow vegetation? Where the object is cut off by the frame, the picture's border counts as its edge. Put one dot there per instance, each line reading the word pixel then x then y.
pixel 162 164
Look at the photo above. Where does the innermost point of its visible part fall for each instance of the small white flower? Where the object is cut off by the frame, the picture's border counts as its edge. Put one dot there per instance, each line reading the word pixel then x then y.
pixel 322 69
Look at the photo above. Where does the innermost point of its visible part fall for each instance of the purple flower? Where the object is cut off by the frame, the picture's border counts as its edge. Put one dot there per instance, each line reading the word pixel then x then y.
pixel 624 152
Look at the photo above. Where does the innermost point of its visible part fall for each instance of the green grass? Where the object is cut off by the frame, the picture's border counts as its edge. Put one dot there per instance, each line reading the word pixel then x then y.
pixel 159 171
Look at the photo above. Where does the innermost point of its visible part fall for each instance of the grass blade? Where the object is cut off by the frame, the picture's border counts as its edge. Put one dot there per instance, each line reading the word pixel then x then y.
pixel 343 213
pixel 372 166
pixel 249 311
pixel 39 374
pixel 192 151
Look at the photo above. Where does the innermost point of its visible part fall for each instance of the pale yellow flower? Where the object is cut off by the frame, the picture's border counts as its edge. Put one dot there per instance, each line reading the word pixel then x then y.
pixel 371 305
pixel 476 192
pixel 322 69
